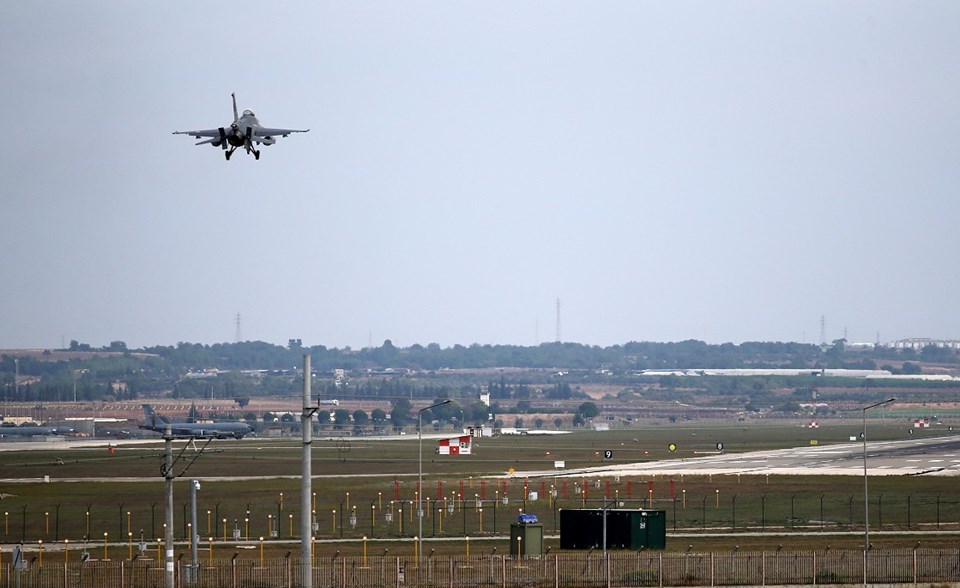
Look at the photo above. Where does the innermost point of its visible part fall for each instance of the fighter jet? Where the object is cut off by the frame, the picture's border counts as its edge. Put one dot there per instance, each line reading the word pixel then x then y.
pixel 244 131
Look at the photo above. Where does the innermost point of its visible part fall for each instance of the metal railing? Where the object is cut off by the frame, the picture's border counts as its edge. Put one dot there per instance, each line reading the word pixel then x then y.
pixel 586 570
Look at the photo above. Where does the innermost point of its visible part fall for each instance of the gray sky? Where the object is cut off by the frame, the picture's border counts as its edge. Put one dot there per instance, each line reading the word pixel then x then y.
pixel 725 171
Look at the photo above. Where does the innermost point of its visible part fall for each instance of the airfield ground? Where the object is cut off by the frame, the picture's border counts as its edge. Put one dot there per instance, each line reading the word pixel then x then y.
pixel 745 495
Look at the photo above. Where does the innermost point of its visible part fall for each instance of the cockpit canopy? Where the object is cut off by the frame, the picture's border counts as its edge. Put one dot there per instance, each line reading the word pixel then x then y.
pixel 248 112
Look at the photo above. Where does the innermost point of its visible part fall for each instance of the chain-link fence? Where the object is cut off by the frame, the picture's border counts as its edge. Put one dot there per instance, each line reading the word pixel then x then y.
pixel 586 570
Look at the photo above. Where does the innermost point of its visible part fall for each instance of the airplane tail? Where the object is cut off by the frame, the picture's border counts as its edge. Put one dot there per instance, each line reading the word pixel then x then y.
pixel 153 419
pixel 236 116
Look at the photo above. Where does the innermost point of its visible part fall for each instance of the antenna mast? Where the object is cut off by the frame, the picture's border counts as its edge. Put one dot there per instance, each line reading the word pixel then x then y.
pixel 237 336
pixel 558 320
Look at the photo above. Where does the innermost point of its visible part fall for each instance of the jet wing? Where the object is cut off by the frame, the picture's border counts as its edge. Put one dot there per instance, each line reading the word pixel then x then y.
pixel 265 132
pixel 200 134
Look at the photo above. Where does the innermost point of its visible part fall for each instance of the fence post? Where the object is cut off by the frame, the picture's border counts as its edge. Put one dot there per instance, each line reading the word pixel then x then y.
pixel 660 569
pixel 711 570
pixel 503 570
pixel 864 566
pixel 763 568
pixel 914 566
pixel 556 570
pixel 606 564
pixel 814 567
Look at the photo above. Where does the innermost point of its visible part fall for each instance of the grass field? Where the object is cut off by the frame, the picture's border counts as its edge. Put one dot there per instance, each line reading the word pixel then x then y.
pixel 361 483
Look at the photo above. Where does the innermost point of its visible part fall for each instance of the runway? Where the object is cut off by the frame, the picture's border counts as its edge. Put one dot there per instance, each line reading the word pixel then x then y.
pixel 930 456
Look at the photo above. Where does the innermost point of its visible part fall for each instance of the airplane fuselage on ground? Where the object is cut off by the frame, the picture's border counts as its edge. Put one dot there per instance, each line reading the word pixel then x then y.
pixel 33 431
pixel 217 430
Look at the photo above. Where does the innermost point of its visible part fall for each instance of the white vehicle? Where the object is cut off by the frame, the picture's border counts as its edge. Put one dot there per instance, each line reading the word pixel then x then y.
pixel 244 131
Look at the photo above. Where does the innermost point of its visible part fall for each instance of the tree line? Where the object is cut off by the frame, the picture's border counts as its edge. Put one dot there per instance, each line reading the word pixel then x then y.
pixel 549 371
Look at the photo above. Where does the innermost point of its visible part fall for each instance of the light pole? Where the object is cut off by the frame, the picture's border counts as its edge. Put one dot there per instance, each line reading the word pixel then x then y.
pixel 420 468
pixel 194 531
pixel 866 498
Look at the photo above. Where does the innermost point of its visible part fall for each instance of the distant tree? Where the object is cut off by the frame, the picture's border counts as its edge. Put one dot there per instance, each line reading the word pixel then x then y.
pixel 578 420
pixel 341 417
pixel 242 402
pixel 323 419
pixel 518 423
pixel 588 410
pixel 910 368
pixel 250 417
pixel 426 416
pixel 933 353
pixel 790 407
pixel 287 418
pixel 400 415
pixel 538 423
pixel 558 422
pixel 445 412
pixel 360 417
pixel 477 413
pixel 560 391
pixel 378 415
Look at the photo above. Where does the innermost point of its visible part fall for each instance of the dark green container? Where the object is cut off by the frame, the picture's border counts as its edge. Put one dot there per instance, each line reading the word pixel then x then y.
pixel 626 529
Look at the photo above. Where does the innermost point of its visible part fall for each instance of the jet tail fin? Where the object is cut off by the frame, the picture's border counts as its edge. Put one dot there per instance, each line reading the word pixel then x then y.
pixel 152 418
pixel 236 116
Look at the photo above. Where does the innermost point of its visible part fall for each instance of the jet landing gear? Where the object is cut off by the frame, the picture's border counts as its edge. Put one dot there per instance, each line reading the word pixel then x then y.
pixel 227 154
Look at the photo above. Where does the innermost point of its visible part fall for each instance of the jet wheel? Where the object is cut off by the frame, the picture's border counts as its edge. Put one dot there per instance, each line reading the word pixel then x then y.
pixel 256 155
pixel 227 155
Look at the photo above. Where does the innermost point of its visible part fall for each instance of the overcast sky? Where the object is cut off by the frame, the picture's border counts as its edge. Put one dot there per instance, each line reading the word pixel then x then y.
pixel 715 170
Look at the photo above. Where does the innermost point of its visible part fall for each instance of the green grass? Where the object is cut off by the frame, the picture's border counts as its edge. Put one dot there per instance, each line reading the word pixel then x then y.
pixel 372 470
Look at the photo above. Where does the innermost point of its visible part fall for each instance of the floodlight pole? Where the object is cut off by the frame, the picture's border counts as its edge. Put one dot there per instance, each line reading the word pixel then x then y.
pixel 306 485
pixel 866 496
pixel 169 578
pixel 604 528
pixel 420 475
pixel 194 532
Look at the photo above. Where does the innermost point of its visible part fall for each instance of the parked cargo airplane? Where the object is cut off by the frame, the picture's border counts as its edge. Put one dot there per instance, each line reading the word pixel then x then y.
pixel 219 429
pixel 244 131
pixel 33 431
